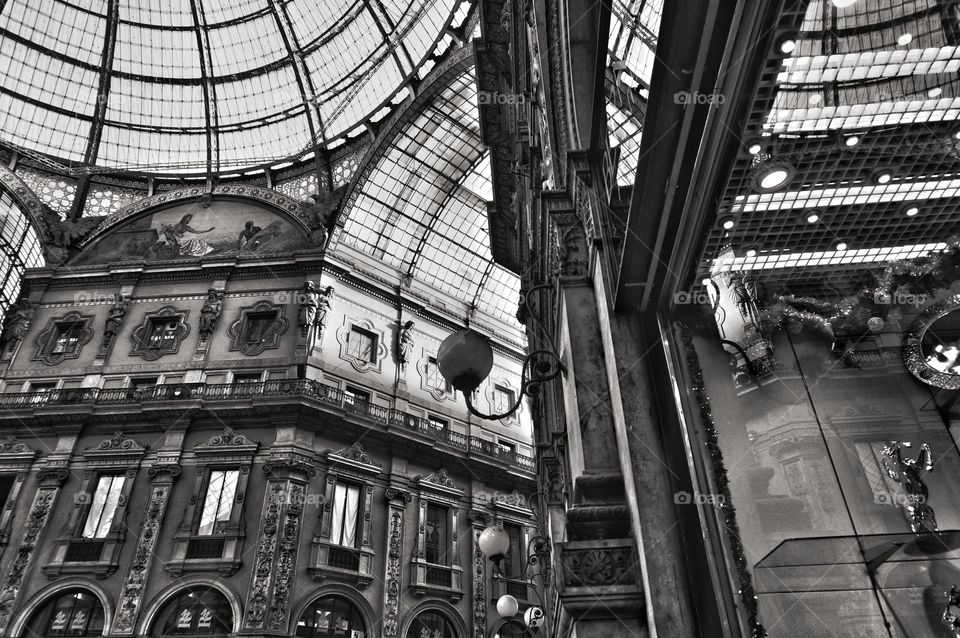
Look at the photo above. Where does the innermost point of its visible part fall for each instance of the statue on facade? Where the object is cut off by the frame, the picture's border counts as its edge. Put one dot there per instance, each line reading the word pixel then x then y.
pixel 114 320
pixel 210 313
pixel 16 322
pixel 322 213
pixel 308 300
pixel 405 343
pixel 907 472
pixel 323 309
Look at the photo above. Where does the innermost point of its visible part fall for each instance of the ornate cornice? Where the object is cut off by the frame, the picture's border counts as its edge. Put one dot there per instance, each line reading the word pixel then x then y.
pixel 227 442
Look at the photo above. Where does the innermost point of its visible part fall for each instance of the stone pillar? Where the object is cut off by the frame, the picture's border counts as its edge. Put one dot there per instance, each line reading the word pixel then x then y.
pixel 162 476
pixel 397 500
pixel 479 521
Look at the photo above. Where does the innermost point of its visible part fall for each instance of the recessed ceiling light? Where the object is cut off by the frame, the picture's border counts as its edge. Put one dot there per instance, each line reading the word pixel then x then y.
pixel 842 4
pixel 813 218
pixel 905 39
pixel 911 211
pixel 774 178
pixel 787 46
pixel 883 177
pixel 851 140
pixel 814 99
pixel 840 246
pixel 755 148
pixel 728 223
pixel 934 92
pixel 751 252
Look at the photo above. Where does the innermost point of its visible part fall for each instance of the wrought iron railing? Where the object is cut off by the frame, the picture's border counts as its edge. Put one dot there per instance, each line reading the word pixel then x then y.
pixel 306 388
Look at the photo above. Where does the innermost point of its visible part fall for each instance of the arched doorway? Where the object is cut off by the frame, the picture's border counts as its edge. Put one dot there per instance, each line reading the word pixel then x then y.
pixel 331 617
pixel 75 612
pixel 431 624
pixel 196 611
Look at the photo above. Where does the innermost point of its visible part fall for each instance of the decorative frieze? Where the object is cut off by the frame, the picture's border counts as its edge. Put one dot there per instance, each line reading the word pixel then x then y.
pixel 259 596
pixel 55 344
pixel 286 558
pixel 391 597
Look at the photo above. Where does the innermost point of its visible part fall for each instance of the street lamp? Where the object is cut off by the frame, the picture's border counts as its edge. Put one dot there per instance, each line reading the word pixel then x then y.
pixel 465 359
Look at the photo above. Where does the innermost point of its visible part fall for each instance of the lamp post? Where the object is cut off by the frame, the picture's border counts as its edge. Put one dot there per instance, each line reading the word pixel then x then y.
pixel 465 359
pixel 494 544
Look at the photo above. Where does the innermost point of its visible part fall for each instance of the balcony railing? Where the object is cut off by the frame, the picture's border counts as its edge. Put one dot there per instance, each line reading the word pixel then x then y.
pixel 306 388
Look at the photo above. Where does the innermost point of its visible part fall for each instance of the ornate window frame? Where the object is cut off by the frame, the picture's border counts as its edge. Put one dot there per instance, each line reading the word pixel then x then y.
pixel 489 392
pixel 350 464
pixel 118 455
pixel 438 394
pixel 439 489
pixel 228 450
pixel 343 338
pixel 142 333
pixel 238 328
pixel 15 459
pixel 48 336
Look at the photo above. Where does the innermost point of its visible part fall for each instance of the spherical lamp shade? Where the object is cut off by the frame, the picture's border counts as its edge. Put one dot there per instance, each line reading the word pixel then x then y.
pixel 507 606
pixel 465 359
pixel 494 541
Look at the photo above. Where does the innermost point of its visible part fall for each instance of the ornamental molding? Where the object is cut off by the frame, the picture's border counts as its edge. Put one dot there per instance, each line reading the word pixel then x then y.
pixel 398 497
pixel 353 457
pixel 141 333
pixel 479 587
pixel 275 199
pixel 10 447
pixel 439 393
pixel 115 451
pixel 490 395
pixel 439 482
pixel 269 340
pixel 391 597
pixel 228 442
pixel 514 501
pixel 28 201
pixel 47 337
pixel 359 364
pixel 131 595
pixel 613 566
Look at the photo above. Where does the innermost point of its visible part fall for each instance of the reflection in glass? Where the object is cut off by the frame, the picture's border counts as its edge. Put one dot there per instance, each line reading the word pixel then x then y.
pixel 940 344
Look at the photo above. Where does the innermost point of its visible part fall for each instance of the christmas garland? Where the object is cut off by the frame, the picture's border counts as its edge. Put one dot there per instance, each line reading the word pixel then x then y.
pixel 908 281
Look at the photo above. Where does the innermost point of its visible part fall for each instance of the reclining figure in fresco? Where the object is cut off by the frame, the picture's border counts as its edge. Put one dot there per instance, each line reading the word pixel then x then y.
pixel 907 473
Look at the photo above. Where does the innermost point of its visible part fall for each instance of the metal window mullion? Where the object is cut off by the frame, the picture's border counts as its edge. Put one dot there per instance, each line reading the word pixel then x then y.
pixel 209 92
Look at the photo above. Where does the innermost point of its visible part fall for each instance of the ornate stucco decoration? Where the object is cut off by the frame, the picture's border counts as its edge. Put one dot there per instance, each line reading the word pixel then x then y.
pixel 151 351
pixel 45 342
pixel 391 588
pixel 227 441
pixel 374 360
pixel 269 339
pixel 354 458
pixel 598 567
pixel 514 500
pixel 430 378
pixel 490 393
pixel 116 451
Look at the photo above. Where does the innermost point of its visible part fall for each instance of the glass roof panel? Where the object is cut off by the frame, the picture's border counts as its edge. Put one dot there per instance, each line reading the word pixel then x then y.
pixel 423 208
pixel 179 67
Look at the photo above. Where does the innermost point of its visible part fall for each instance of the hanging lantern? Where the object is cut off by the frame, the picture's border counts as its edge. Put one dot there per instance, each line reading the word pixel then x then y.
pixel 465 359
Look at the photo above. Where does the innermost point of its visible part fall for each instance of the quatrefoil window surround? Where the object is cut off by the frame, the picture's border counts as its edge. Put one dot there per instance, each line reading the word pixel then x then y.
pixel 258 328
pixel 63 338
pixel 160 333
pixel 362 344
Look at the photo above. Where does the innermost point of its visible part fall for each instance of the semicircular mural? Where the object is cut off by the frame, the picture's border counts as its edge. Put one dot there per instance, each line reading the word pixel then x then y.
pixel 223 228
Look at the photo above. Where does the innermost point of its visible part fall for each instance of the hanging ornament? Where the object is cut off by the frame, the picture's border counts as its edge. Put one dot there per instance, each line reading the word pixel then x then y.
pixel 875 324
pixel 793 325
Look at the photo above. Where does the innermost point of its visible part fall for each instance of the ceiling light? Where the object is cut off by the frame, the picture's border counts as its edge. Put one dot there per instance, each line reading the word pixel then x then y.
pixel 755 148
pixel 774 178
pixel 882 177
pixel 843 4
pixel 911 211
pixel 934 92
pixel 750 252
pixel 728 223
pixel 905 39
pixel 706 281
pixel 840 246
pixel 787 46
pixel 851 140
pixel 813 217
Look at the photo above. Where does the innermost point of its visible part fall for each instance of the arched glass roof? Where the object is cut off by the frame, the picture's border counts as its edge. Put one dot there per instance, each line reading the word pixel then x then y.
pixel 206 85
pixel 423 207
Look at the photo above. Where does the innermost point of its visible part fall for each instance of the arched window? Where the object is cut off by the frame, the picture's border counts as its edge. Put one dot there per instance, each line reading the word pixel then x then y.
pixel 331 617
pixel 431 624
pixel 73 613
pixel 196 611
pixel 512 628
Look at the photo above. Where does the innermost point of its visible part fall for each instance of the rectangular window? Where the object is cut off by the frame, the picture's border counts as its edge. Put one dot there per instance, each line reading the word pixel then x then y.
pixel 508 448
pixel 162 334
pixel 218 502
pixel 513 561
pixel 438 423
pixel 42 391
pixel 362 345
pixel 258 327
pixel 6 486
pixel 503 399
pixel 346 510
pixel 435 379
pixel 66 339
pixel 436 535
pixel 354 396
pixel 103 506
pixel 247 377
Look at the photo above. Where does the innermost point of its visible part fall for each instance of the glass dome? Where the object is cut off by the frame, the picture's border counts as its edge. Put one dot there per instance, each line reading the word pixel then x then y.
pixel 197 86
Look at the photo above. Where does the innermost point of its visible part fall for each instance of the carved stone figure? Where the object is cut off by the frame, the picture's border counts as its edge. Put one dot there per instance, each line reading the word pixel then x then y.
pixel 405 343
pixel 17 321
pixel 907 473
pixel 322 213
pixel 323 309
pixel 309 300
pixel 210 313
pixel 114 319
